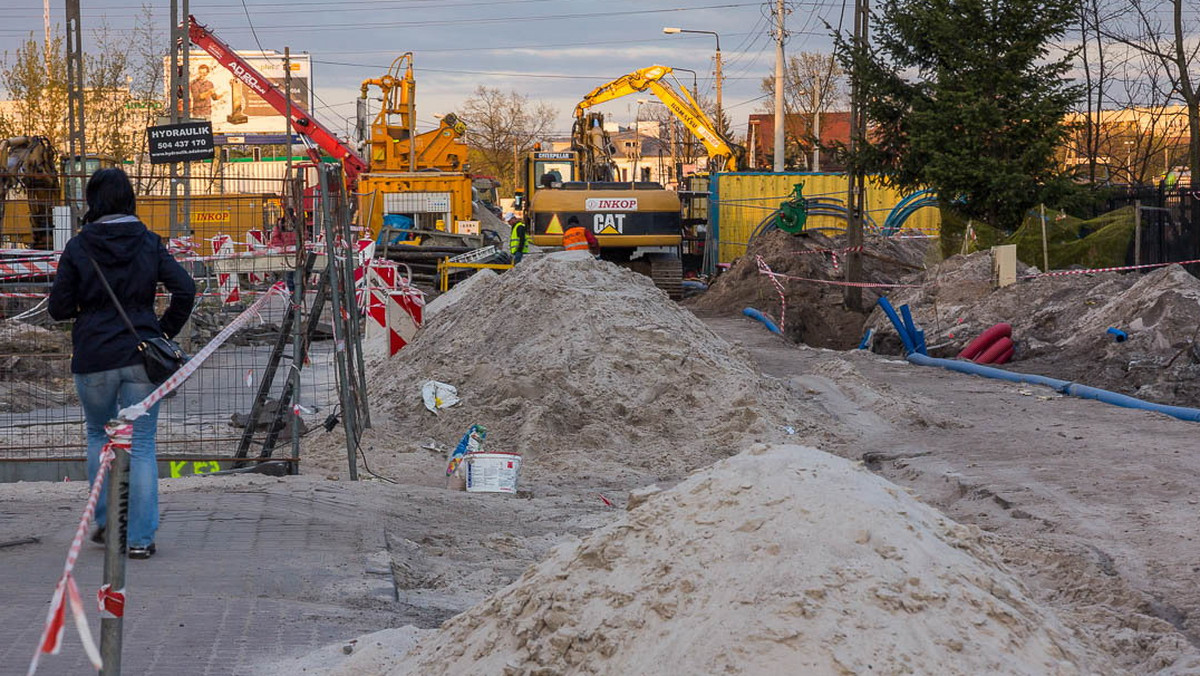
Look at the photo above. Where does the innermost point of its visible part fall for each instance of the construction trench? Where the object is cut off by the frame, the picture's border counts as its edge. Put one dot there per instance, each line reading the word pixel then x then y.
pixel 698 491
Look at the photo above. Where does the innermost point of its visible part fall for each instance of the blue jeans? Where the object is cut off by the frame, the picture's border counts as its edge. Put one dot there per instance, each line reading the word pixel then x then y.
pixel 102 394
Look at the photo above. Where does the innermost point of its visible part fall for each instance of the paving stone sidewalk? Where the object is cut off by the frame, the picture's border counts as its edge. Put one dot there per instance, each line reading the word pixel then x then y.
pixel 242 576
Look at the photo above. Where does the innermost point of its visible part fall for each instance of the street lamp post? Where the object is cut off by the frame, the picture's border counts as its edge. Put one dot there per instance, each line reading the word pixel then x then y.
pixel 672 31
pixel 695 94
pixel 637 138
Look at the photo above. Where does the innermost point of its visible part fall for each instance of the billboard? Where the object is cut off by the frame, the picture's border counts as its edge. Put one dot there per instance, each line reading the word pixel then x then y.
pixel 216 95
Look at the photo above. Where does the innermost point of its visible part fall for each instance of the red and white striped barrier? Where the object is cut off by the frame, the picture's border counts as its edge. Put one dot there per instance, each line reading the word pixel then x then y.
pixel 255 242
pixel 395 306
pixel 120 435
pixel 227 283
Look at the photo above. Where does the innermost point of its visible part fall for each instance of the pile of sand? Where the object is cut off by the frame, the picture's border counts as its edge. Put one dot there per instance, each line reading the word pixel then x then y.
pixel 35 367
pixel 815 312
pixel 782 559
pixel 1060 324
pixel 584 367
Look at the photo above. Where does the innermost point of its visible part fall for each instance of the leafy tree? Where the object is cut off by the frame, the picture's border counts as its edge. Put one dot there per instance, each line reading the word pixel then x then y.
pixel 502 127
pixel 36 80
pixel 812 82
pixel 964 97
pixel 1164 31
pixel 122 90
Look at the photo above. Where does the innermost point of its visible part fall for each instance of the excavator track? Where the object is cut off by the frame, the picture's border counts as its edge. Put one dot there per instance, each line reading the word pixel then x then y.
pixel 667 273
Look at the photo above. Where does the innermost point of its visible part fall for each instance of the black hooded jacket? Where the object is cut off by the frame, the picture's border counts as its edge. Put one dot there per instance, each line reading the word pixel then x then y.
pixel 134 261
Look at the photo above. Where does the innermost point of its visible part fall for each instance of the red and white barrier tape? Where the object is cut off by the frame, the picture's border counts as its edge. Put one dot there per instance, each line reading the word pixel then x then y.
pixel 120 435
pixel 766 270
pixel 849 249
pixel 139 409
pixel 861 285
pixel 1062 273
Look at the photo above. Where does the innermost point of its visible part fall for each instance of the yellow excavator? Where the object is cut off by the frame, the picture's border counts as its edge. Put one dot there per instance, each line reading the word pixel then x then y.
pixel 638 224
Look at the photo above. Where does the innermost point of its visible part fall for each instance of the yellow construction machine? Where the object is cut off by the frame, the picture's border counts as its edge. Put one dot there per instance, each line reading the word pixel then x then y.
pixel 417 180
pixel 394 142
pixel 638 224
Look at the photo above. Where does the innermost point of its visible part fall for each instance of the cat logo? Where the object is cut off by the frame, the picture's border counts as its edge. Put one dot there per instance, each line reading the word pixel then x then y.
pixel 608 224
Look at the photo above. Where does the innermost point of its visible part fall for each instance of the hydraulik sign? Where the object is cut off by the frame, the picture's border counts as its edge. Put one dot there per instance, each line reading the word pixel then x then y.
pixel 185 142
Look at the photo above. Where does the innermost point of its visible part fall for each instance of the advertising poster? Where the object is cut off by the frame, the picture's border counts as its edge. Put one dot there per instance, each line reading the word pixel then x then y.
pixel 216 95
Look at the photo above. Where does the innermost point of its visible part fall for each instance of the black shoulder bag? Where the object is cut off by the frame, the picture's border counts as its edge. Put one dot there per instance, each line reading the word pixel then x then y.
pixel 161 355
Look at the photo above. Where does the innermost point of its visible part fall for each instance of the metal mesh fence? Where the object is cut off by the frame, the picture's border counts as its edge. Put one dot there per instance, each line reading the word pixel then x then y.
pixel 200 426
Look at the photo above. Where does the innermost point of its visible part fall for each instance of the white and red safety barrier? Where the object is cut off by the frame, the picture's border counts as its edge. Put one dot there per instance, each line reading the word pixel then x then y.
pixel 394 305
pixel 120 435
pixel 227 283
pixel 255 241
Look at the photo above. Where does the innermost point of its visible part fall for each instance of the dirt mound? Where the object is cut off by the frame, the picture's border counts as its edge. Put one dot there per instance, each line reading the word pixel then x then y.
pixel 1060 324
pixel 585 368
pixel 35 367
pixel 815 312
pixel 782 559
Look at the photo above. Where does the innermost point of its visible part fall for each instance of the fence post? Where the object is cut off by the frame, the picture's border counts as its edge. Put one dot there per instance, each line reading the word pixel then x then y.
pixel 115 538
pixel 1045 246
pixel 1137 232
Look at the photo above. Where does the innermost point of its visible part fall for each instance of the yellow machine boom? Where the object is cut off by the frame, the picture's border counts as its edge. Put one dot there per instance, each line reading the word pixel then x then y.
pixel 721 152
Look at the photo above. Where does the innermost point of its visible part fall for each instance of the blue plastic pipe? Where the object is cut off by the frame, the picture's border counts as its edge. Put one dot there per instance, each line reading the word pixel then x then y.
pixel 909 346
pixel 755 314
pixel 866 339
pixel 1063 386
pixel 1117 334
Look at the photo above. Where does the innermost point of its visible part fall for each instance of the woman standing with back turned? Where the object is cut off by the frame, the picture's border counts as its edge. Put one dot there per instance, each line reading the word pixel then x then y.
pixel 109 373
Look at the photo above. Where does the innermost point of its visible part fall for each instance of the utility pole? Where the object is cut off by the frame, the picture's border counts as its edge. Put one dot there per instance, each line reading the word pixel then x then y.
pixel 779 34
pixel 516 171
pixel 76 134
pixel 175 103
pixel 185 48
pixel 857 189
pixel 816 161
pixel 46 44
pixel 720 78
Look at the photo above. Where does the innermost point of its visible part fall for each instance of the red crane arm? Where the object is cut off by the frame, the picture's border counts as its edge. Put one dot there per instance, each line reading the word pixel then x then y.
pixel 303 122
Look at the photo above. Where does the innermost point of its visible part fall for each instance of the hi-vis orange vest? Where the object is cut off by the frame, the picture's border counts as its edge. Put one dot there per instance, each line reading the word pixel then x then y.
pixel 574 239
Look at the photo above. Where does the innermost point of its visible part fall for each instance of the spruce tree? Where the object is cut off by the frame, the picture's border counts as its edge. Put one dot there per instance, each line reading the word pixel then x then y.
pixel 966 98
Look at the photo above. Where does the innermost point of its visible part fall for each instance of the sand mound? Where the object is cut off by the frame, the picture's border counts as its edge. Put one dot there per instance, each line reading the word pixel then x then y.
pixel 1060 324
pixel 782 559
pixel 461 289
pixel 815 312
pixel 585 368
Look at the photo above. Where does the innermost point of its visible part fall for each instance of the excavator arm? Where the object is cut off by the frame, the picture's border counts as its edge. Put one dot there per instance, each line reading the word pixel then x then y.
pixel 721 152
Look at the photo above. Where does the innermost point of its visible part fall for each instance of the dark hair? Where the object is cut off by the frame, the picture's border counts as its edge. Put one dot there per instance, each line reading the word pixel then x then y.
pixel 572 220
pixel 109 192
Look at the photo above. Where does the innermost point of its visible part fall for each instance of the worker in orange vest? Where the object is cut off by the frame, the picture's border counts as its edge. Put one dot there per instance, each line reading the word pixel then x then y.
pixel 577 238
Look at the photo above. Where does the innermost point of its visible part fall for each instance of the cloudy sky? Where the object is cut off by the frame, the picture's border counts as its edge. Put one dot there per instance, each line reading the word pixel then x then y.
pixel 553 50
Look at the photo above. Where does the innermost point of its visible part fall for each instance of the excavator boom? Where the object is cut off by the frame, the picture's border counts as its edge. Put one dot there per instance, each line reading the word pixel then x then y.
pixel 720 150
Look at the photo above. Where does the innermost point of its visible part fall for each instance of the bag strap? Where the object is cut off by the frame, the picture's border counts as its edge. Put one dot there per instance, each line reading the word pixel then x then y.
pixel 113 296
